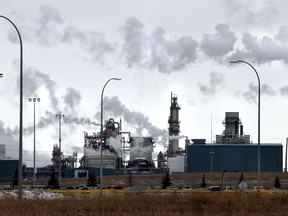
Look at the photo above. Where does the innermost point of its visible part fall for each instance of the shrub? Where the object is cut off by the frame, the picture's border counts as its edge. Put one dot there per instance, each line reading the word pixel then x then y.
pixel 277 183
pixel 14 182
pixel 203 183
pixel 92 180
pixel 53 181
pixel 166 181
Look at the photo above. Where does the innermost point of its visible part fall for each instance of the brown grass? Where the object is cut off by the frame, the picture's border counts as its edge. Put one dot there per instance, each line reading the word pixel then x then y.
pixel 152 204
pixel 217 203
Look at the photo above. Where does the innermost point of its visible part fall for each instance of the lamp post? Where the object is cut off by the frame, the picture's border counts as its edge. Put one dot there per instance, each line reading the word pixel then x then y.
pixel 21 111
pixel 101 134
pixel 59 116
pixel 34 100
pixel 259 93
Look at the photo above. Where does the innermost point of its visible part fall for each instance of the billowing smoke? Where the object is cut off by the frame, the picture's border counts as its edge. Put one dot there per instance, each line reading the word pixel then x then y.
pixel 251 14
pixel 157 49
pixel 154 50
pixel 10 138
pixel 251 94
pixel 115 143
pixel 50 119
pixel 71 119
pixel 267 90
pixel 72 99
pixel 135 41
pixel 49 22
pixel 282 34
pixel 94 43
pixel 220 43
pixel 216 79
pixel 114 107
pixel 265 49
pixel 284 91
pixel 172 55
pixel 34 79
pixel 50 30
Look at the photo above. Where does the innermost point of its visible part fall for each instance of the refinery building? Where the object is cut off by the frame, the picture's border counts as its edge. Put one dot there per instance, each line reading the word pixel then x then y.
pixel 232 151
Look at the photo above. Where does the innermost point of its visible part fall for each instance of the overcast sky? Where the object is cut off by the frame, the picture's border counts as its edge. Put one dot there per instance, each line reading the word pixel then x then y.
pixel 71 48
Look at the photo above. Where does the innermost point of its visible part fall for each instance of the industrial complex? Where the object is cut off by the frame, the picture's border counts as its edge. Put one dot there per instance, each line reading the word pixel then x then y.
pixel 232 151
pixel 119 152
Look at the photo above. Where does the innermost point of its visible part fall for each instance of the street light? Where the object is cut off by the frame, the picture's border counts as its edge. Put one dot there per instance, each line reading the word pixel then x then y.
pixel 258 149
pixel 34 100
pixel 21 111
pixel 101 134
pixel 59 115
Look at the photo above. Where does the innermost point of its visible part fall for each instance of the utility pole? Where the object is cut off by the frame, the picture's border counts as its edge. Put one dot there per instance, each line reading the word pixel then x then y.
pixel 59 116
pixel 34 100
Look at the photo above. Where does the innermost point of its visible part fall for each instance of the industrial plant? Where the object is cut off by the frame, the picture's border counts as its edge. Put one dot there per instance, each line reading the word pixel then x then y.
pixel 232 151
pixel 117 151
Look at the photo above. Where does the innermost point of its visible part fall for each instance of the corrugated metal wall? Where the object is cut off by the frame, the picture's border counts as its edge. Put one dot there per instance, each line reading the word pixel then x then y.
pixel 234 158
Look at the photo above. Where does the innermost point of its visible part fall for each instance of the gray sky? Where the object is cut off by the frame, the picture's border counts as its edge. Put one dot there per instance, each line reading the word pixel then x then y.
pixel 156 47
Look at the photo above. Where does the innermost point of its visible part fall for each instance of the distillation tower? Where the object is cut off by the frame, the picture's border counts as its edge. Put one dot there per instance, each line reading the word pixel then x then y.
pixel 174 127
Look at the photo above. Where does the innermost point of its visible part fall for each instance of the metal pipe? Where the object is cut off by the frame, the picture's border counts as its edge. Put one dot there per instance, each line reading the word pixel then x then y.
pixel 21 112
pixel 259 93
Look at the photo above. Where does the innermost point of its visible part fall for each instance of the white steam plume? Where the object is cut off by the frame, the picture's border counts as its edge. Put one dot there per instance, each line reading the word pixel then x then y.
pixel 216 79
pixel 115 108
pixel 173 137
pixel 219 44
pixel 154 50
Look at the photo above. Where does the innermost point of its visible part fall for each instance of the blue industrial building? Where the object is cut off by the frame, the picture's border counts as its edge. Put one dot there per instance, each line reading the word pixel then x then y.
pixel 7 169
pixel 232 152
pixel 233 157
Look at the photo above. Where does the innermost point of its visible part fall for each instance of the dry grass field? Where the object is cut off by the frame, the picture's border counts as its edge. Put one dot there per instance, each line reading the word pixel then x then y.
pixel 209 203
pixel 212 203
